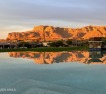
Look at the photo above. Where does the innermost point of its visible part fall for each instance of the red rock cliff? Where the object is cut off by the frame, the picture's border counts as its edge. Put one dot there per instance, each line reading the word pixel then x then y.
pixel 55 33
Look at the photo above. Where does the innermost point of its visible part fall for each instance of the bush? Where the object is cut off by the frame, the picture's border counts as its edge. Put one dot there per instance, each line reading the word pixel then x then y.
pixel 69 42
pixel 24 44
pixel 56 43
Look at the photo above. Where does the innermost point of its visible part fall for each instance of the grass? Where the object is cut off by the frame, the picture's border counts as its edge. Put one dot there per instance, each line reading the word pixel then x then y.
pixel 46 49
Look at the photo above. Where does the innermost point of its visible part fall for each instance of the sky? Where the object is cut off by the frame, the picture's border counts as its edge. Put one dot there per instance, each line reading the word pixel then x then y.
pixel 23 15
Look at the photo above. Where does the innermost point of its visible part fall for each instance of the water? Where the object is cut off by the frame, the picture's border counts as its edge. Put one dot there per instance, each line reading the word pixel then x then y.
pixel 78 72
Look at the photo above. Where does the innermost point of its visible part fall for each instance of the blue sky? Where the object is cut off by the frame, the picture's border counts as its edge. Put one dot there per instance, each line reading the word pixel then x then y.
pixel 22 15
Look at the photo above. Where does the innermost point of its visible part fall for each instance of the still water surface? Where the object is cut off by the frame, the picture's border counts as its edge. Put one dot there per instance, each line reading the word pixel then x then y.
pixel 78 72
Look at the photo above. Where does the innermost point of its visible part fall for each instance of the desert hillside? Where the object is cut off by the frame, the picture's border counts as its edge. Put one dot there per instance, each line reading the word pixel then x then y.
pixel 49 33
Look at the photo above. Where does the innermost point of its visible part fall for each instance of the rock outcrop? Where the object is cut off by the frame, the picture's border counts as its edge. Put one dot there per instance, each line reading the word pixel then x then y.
pixel 50 33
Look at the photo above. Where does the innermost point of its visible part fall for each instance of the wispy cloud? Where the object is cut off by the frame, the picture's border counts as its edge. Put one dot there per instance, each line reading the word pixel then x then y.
pixel 72 13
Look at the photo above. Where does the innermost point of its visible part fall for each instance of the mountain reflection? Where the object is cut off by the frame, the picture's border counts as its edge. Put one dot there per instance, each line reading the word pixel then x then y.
pixel 62 57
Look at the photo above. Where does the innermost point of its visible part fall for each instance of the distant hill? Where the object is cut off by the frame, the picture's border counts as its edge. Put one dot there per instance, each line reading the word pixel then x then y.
pixel 50 33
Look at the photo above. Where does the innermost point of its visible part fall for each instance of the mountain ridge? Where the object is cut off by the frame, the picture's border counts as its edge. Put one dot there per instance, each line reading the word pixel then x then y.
pixel 50 33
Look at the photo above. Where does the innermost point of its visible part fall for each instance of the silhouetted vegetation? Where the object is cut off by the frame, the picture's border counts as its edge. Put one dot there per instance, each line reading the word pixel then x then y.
pixel 24 44
pixel 48 49
pixel 69 42
pixel 57 43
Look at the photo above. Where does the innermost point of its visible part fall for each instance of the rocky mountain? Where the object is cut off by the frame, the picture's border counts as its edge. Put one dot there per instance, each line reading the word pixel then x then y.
pixel 49 33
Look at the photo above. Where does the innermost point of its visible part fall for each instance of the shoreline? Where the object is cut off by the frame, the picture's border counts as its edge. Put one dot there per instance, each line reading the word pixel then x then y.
pixel 47 49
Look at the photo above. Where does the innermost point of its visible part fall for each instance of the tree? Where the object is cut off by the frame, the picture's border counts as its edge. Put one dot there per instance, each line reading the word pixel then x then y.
pixel 104 40
pixel 56 43
pixel 24 44
pixel 69 42
pixel 59 43
pixel 52 44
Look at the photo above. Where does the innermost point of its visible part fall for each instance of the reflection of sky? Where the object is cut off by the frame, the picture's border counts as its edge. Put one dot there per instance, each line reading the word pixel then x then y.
pixel 20 15
pixel 8 60
pixel 3 55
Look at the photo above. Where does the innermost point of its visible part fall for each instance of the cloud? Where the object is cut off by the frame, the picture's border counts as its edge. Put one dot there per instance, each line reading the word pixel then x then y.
pixel 29 9
pixel 27 13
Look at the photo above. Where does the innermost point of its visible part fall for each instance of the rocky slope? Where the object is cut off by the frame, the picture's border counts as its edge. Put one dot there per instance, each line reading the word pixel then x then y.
pixel 55 33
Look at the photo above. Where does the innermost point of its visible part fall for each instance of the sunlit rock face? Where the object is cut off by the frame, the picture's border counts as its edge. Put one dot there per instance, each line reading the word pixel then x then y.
pixel 50 33
pixel 61 57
